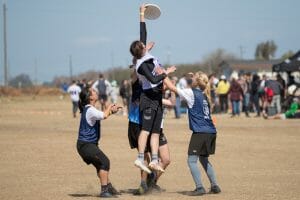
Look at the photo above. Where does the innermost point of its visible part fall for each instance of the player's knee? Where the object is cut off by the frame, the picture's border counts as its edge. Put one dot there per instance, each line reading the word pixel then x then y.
pixel 102 163
pixel 105 164
pixel 166 161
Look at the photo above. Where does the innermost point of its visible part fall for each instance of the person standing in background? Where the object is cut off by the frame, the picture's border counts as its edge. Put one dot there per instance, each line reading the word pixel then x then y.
pixel 222 91
pixel 102 86
pixel 74 91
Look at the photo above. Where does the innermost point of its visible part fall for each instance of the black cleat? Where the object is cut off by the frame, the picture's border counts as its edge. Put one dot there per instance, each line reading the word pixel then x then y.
pixel 197 192
pixel 113 190
pixel 106 194
pixel 141 190
pixel 215 189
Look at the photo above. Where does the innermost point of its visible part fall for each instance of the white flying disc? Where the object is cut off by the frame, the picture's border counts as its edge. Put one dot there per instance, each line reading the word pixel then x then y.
pixel 152 11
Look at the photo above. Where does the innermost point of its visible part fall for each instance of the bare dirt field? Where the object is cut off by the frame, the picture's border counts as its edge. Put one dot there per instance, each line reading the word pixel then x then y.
pixel 255 158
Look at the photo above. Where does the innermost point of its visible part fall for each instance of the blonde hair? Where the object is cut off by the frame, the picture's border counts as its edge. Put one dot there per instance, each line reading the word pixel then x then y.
pixel 202 81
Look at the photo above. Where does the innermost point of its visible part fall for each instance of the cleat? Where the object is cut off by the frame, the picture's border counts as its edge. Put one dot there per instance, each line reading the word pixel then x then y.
pixel 156 167
pixel 142 166
pixel 197 192
pixel 113 190
pixel 141 190
pixel 106 194
pixel 215 189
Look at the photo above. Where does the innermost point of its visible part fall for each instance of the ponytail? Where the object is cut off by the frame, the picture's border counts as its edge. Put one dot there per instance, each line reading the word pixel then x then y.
pixel 203 84
pixel 84 98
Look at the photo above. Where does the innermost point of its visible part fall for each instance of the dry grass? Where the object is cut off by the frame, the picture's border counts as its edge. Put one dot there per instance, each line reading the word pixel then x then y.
pixel 255 158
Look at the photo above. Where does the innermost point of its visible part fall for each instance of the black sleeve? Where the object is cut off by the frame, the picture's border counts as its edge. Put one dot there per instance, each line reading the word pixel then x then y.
pixel 143 32
pixel 144 70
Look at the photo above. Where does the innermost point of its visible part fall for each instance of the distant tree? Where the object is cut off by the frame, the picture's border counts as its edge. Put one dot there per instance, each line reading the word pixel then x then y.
pixel 265 50
pixel 288 54
pixel 21 81
pixel 214 59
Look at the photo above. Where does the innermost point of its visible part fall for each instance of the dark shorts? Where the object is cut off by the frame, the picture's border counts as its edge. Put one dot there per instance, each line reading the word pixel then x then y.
pixel 151 119
pixel 91 154
pixel 134 130
pixel 202 144
pixel 102 97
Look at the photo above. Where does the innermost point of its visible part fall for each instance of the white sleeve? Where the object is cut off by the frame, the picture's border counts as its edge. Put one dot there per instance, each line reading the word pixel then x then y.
pixel 186 95
pixel 92 115
pixel 94 86
pixel 79 89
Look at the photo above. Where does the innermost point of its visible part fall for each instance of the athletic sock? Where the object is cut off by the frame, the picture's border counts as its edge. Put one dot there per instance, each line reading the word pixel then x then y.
pixel 141 157
pixel 154 158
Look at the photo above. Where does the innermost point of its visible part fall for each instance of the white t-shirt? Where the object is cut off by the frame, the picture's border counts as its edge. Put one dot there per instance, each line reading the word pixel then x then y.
pixel 186 95
pixel 182 83
pixel 93 114
pixel 74 91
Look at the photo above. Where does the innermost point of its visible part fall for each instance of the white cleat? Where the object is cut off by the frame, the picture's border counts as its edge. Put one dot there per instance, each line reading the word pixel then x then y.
pixel 142 166
pixel 156 167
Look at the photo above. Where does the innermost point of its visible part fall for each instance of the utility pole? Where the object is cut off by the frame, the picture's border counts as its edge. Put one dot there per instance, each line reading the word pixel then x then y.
pixel 71 68
pixel 5 46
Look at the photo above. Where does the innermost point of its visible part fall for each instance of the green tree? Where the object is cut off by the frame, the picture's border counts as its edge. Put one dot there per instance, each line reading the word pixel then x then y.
pixel 288 54
pixel 265 50
pixel 21 81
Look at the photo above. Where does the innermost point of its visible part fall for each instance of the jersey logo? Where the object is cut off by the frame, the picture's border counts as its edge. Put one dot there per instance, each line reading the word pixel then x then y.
pixel 147 117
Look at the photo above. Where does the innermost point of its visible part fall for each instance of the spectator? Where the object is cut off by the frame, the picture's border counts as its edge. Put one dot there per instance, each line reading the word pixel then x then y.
pixel 177 99
pixel 292 112
pixel 222 91
pixel 283 86
pixel 255 84
pixel 276 88
pixel 125 95
pixel 235 95
pixel 114 92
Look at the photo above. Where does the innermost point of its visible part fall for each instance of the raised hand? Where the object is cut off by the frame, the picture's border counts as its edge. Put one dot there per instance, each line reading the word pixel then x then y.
pixel 171 69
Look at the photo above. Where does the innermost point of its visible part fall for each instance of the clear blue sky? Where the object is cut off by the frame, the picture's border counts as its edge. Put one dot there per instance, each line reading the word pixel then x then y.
pixel 97 33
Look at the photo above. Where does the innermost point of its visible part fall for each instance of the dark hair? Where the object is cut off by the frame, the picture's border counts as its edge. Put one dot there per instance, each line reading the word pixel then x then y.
pixel 84 98
pixel 101 75
pixel 136 49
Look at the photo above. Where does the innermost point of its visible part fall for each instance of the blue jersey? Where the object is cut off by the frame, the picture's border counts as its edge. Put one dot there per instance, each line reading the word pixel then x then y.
pixel 88 133
pixel 134 113
pixel 199 115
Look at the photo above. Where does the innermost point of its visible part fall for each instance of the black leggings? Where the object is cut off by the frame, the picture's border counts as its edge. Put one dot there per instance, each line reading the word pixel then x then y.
pixel 91 154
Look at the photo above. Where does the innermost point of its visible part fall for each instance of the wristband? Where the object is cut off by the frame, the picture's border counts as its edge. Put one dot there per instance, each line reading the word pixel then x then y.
pixel 142 13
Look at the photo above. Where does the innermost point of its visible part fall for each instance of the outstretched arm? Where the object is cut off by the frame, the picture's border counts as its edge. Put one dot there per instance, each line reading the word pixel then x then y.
pixel 143 29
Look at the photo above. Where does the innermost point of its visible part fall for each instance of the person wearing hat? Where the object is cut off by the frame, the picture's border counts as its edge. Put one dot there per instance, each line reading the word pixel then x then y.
pixel 222 91
pixel 294 109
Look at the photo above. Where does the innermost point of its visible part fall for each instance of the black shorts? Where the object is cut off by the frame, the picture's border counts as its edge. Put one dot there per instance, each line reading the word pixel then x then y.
pixel 151 119
pixel 162 138
pixel 134 130
pixel 102 97
pixel 202 144
pixel 91 154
